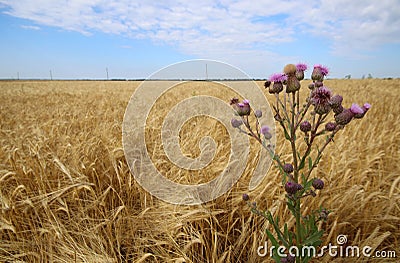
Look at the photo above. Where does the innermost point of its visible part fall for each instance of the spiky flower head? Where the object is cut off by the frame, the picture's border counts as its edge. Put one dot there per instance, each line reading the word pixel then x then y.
pixel 319 72
pixel 243 108
pixel 344 117
pixel 300 68
pixel 245 197
pixel 291 187
pixel 288 168
pixel 320 98
pixel 336 101
pixel 358 111
pixel 305 126
pixel 318 184
pixel 278 79
pixel 290 69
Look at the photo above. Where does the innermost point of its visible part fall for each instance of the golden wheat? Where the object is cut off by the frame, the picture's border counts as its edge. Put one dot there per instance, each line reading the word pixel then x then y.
pixel 67 194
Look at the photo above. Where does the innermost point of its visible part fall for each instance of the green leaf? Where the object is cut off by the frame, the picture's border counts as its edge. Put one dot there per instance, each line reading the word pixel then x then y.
pixel 314 239
pixel 279 232
pixel 275 244
pixel 287 136
pixel 302 163
pixel 310 164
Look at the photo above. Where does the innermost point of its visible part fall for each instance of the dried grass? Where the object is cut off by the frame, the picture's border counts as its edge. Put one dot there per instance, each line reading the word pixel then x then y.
pixel 67 195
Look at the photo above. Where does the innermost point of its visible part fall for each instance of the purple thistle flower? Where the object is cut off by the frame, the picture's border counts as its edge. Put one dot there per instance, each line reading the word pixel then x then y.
pixel 356 109
pixel 258 113
pixel 278 77
pixel 367 106
pixel 301 67
pixel 291 187
pixel 319 72
pixel 320 98
pixel 324 70
pixel 245 197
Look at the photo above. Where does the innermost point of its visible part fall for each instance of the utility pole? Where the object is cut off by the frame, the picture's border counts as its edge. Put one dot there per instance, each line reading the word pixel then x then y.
pixel 107 72
pixel 51 75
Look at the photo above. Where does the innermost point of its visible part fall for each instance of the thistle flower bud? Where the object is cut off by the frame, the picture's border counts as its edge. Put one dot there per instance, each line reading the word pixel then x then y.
pixel 288 259
pixel 338 109
pixel 300 75
pixel 344 117
pixel 278 79
pixel 290 69
pixel 305 126
pixel 319 84
pixel 311 86
pixel 293 84
pixel 267 83
pixel 243 108
pixel 318 184
pixel 288 168
pixel 366 107
pixel 245 197
pixel 258 113
pixel 291 187
pixel 299 187
pixel 319 73
pixel 265 130
pixel 336 101
pixel 330 126
pixel 236 123
pixel 300 68
pixel 234 101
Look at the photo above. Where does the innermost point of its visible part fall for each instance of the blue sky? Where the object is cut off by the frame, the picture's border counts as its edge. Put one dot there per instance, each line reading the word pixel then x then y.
pixel 133 39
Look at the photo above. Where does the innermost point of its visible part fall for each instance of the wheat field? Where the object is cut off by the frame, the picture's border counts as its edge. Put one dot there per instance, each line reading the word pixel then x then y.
pixel 67 195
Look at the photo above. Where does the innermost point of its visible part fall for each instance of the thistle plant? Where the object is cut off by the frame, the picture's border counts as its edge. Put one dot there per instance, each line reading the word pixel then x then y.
pixel 308 127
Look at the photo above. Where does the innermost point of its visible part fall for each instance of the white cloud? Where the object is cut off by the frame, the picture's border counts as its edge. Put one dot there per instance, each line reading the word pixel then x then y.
pixel 29 27
pixel 225 29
